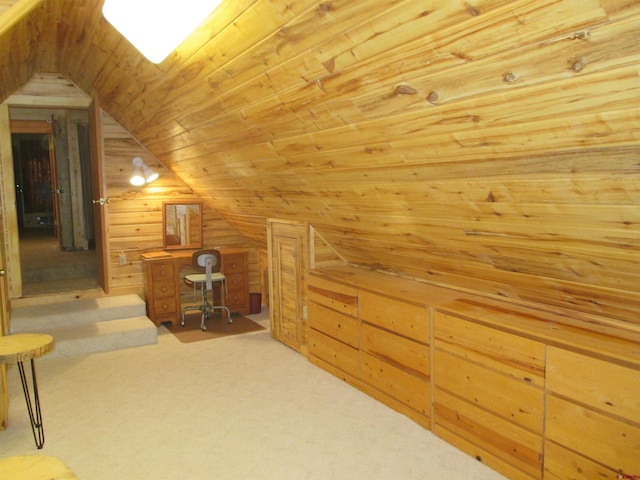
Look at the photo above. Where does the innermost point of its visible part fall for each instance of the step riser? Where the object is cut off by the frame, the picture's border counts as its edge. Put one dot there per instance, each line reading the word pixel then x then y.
pixel 88 345
pixel 39 318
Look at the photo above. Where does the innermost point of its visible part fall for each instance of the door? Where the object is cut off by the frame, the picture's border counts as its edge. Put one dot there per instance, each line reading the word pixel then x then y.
pixel 286 251
pixel 5 152
pixel 98 190
pixel 4 327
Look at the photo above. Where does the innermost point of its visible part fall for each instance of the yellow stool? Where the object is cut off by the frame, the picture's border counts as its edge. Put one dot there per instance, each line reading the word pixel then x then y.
pixel 35 467
pixel 16 349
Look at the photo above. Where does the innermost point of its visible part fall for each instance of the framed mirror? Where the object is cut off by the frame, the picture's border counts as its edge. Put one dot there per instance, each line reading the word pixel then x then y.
pixel 182 225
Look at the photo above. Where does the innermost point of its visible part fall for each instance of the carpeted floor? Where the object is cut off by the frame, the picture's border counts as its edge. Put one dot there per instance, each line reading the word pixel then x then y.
pixel 217 327
pixel 242 407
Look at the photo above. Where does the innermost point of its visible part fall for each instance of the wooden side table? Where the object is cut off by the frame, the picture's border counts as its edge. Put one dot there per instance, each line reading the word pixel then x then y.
pixel 16 349
pixel 35 467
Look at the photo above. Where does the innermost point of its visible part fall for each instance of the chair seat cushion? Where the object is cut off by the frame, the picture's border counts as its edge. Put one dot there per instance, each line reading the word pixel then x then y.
pixel 202 277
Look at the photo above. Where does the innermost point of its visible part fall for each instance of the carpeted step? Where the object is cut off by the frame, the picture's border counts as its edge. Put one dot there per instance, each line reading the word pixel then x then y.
pixel 37 318
pixel 103 336
pixel 88 325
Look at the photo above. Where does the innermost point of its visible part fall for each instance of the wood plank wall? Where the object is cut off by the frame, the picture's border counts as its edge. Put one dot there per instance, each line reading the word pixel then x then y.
pixel 135 213
pixel 491 145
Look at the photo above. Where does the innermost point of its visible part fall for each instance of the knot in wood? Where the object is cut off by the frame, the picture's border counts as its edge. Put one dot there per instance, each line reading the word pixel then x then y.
pixel 405 90
pixel 577 66
pixel 509 77
pixel 433 97
pixel 471 9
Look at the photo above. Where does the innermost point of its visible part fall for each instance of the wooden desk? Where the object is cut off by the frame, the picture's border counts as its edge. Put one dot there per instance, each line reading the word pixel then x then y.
pixel 163 281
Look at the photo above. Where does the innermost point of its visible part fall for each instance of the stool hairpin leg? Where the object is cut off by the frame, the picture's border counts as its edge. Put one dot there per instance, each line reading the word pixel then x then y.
pixel 35 416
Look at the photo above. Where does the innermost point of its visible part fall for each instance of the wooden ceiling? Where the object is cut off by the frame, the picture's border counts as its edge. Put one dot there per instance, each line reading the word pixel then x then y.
pixel 488 144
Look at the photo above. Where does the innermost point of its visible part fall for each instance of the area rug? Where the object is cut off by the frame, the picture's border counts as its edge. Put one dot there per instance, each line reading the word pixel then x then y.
pixel 217 327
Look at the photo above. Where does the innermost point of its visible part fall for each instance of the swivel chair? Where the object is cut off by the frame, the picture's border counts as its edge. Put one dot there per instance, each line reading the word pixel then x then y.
pixel 207 264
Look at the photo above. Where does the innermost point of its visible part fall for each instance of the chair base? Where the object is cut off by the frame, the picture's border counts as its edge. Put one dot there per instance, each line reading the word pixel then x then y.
pixel 206 308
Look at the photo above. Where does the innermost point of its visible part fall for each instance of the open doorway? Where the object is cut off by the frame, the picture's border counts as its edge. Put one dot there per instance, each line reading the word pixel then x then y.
pixel 53 200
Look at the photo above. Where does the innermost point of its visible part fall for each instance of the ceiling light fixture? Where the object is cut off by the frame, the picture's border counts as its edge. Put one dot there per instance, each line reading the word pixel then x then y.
pixel 141 173
pixel 157 28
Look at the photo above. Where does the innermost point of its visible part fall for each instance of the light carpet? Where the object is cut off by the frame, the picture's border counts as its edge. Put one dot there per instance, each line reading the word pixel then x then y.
pixel 242 407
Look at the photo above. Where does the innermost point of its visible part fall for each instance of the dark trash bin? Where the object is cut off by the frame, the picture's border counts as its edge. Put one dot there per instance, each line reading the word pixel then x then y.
pixel 255 303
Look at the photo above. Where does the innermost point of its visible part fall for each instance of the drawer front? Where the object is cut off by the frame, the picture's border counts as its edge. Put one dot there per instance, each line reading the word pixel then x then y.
pixel 163 306
pixel 236 283
pixel 510 354
pixel 606 440
pixel 395 382
pixel 162 271
pixel 603 385
pixel 403 318
pixel 234 264
pixel 498 441
pixel 561 463
pixel 333 352
pixel 405 354
pixel 335 324
pixel 164 289
pixel 333 295
pixel 507 397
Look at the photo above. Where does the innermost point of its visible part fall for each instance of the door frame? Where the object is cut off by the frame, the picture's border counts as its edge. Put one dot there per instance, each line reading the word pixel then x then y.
pixel 7 185
pixel 295 233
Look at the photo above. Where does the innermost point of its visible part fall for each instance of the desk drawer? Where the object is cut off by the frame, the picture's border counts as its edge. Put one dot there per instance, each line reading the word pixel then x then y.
pixel 164 289
pixel 164 306
pixel 234 264
pixel 163 271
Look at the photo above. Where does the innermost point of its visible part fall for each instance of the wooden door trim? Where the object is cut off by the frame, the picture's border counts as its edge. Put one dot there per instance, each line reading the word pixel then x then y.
pixel 98 188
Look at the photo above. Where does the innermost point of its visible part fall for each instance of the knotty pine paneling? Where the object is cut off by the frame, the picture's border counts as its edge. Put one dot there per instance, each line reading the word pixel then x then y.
pixel 489 145
pixel 135 213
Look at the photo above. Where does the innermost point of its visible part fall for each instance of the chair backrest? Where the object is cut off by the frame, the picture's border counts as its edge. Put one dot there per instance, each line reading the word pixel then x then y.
pixel 200 257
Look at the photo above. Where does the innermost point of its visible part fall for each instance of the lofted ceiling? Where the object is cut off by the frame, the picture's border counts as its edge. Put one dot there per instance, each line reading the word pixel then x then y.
pixel 488 144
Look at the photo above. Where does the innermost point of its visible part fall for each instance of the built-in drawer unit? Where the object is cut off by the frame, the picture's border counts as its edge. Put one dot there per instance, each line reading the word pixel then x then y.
pixel 533 392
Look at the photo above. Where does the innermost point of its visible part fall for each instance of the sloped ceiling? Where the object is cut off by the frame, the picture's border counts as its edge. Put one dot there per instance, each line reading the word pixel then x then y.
pixel 488 144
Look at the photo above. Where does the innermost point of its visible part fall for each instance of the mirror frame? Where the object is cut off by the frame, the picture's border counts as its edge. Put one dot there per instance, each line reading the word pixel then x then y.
pixel 168 245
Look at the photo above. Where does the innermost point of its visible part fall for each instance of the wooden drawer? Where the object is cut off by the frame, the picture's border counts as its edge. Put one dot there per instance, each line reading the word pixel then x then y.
pixel 337 354
pixel 602 385
pixel 493 391
pixel 162 271
pixel 234 264
pixel 597 436
pixel 510 354
pixel 397 383
pixel 505 446
pixel 164 289
pixel 333 295
pixel 561 464
pixel 400 317
pixel 334 324
pixel 405 354
pixel 165 306
pixel 236 282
